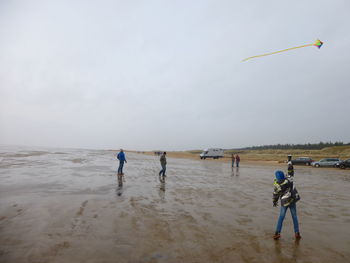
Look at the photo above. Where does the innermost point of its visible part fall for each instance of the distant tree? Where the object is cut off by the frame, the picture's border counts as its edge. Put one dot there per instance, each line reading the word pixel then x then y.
pixel 308 146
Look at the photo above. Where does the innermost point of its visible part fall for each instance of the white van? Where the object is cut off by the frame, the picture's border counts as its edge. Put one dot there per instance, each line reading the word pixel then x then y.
pixel 214 153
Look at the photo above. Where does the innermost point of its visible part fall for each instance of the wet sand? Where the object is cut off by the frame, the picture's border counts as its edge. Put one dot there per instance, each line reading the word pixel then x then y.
pixel 59 205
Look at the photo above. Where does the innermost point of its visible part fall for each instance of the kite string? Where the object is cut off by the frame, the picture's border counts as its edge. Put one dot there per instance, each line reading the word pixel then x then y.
pixel 278 51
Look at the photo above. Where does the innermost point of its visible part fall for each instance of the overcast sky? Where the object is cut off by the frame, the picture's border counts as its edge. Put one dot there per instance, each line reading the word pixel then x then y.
pixel 168 75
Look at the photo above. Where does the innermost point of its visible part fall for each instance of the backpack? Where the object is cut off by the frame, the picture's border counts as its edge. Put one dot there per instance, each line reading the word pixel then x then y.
pixel 295 195
pixel 289 197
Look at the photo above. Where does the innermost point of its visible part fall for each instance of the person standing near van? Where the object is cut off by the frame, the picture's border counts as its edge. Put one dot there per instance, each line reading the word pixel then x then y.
pixel 233 161
pixel 238 159
pixel 163 164
pixel 122 159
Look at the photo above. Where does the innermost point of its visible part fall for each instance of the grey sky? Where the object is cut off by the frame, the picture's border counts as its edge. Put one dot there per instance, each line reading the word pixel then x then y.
pixel 160 74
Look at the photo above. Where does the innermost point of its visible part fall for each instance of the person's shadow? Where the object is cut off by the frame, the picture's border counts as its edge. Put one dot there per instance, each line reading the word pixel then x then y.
pixel 119 189
pixel 282 257
pixel 161 191
pixel 235 172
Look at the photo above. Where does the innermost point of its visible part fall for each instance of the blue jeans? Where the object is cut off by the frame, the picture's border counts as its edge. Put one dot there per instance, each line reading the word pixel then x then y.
pixel 120 168
pixel 163 170
pixel 233 163
pixel 283 211
pixel 237 163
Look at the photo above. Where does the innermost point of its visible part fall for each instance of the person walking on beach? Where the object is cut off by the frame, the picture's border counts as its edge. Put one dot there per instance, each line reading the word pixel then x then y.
pixel 163 164
pixel 122 159
pixel 238 159
pixel 233 161
pixel 283 189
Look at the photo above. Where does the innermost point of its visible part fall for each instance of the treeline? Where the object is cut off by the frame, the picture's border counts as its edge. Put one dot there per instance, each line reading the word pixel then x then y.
pixel 307 146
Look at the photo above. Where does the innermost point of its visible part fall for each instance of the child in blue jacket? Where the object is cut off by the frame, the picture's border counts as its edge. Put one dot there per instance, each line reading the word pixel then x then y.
pixel 284 190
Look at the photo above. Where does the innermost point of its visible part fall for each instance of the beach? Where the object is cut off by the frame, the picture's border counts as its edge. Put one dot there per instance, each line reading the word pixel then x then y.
pixel 65 205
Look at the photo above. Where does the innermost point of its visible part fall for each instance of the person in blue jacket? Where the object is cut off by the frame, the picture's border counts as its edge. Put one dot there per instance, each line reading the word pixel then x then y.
pixel 122 159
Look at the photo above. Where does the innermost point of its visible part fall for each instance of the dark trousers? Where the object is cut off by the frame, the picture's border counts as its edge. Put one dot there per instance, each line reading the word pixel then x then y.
pixel 163 170
pixel 120 168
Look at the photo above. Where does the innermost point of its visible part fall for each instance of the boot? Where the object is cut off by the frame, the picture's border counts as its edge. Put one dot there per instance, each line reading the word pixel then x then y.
pixel 297 236
pixel 276 236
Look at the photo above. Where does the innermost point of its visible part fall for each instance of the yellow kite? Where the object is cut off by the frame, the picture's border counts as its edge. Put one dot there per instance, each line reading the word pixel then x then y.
pixel 318 43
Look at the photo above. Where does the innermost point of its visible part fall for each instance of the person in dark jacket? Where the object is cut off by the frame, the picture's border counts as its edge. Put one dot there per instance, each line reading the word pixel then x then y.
pixel 290 169
pixel 122 159
pixel 238 159
pixel 163 164
pixel 283 189
pixel 290 173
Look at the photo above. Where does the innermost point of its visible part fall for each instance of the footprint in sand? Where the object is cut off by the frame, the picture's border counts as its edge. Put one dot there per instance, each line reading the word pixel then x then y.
pixel 55 250
pixel 82 207
pixel 78 222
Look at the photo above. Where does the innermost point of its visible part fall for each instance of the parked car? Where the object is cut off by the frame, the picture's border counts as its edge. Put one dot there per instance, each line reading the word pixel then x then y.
pixel 330 162
pixel 344 164
pixel 302 160
pixel 214 153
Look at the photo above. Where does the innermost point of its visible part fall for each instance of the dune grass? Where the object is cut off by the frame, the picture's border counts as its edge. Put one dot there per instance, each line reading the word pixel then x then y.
pixel 342 152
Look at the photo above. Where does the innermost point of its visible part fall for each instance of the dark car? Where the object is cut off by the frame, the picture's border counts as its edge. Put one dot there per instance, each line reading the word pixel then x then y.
pixel 344 164
pixel 302 160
